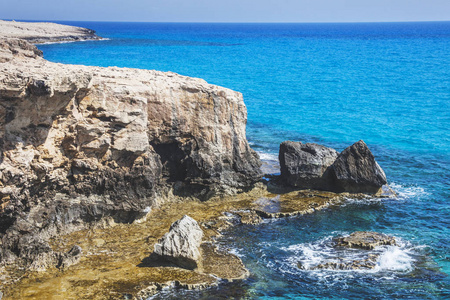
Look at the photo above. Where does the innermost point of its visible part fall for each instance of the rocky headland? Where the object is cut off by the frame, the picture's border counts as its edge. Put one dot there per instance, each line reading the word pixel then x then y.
pixel 39 32
pixel 98 163
pixel 79 144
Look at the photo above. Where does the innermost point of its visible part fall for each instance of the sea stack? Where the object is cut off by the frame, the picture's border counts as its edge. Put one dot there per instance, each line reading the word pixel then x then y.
pixel 356 171
pixel 304 165
pixel 312 166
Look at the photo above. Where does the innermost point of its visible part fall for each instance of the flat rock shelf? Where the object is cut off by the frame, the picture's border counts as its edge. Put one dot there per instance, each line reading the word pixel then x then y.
pixel 117 257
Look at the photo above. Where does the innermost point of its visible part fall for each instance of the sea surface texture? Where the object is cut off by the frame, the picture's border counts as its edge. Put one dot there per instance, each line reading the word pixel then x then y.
pixel 333 84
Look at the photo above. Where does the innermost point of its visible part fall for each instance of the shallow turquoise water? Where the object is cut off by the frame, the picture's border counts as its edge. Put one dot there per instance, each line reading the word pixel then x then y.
pixel 385 83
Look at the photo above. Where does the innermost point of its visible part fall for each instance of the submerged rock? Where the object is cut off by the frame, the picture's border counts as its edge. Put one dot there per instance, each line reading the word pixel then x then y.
pixel 367 263
pixel 295 203
pixel 305 165
pixel 356 171
pixel 365 240
pixel 339 256
pixel 249 217
pixel 181 245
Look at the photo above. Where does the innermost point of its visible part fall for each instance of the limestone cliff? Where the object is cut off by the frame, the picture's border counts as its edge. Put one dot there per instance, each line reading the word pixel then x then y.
pixel 44 32
pixel 79 143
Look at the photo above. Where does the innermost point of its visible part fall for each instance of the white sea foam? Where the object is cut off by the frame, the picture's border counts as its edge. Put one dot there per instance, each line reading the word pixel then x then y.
pixel 405 192
pixel 391 259
pixel 270 164
pixel 366 201
pixel 268 156
pixel 75 41
pixel 236 251
pixel 395 259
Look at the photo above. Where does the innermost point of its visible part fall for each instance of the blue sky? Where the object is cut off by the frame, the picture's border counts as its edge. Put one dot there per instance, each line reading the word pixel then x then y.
pixel 227 10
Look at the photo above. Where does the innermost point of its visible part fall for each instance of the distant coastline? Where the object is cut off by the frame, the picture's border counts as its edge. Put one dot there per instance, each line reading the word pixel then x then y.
pixel 44 32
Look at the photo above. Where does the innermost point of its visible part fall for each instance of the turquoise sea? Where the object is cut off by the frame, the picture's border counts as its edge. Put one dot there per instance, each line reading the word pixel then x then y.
pixel 333 84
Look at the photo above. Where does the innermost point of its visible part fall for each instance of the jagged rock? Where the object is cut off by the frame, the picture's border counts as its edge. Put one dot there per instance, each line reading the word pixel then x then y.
pixel 181 245
pixel 355 170
pixel 305 165
pixel 249 217
pixel 149 291
pixel 365 240
pixel 42 260
pixel 367 263
pixel 311 166
pixel 69 258
pixel 81 143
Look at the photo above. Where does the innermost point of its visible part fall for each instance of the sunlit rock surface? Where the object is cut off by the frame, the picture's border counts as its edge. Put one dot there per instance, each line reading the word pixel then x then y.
pixel 80 143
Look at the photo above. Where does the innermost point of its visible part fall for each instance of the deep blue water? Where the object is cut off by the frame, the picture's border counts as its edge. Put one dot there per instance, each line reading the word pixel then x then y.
pixel 334 84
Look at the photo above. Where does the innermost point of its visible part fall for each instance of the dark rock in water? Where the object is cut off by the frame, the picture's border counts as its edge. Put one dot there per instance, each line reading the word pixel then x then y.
pixel 181 245
pixel 365 240
pixel 356 171
pixel 364 259
pixel 312 166
pixel 305 165
pixel 360 264
pixel 301 266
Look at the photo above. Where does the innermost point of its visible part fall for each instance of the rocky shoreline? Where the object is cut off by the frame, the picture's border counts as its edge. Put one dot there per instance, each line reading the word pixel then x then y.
pixel 118 259
pixel 97 163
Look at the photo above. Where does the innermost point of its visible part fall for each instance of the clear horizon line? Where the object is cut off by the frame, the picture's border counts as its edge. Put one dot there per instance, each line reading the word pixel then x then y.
pixel 229 22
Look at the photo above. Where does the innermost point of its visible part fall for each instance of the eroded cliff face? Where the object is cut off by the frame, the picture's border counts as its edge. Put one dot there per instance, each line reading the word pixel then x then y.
pixel 79 143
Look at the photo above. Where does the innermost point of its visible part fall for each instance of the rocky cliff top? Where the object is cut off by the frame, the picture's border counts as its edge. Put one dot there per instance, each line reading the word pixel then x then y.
pixel 40 32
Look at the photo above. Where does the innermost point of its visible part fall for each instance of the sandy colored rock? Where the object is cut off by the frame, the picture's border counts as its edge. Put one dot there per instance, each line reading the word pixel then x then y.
pixel 222 264
pixel 123 264
pixel 296 203
pixel 40 32
pixel 181 244
pixel 83 143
